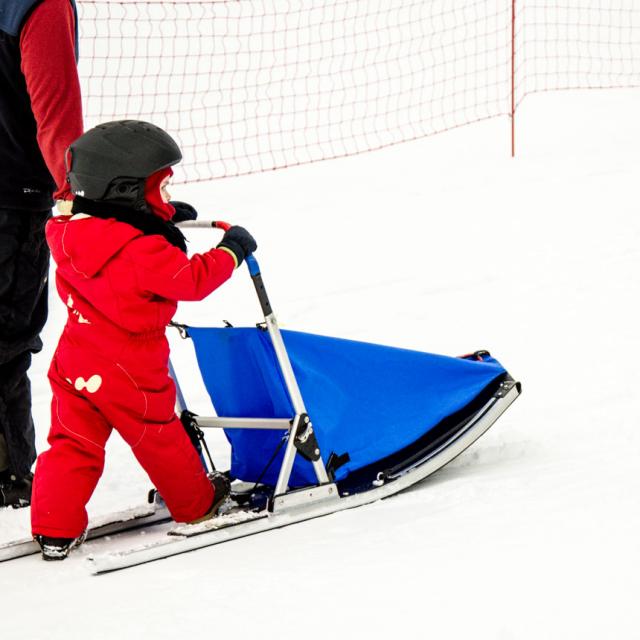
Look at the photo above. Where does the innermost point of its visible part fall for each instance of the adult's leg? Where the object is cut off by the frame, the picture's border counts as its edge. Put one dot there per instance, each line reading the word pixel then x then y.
pixel 24 264
pixel 16 422
pixel 18 451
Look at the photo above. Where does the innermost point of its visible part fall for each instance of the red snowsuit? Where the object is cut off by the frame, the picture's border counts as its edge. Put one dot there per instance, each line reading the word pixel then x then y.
pixel 110 369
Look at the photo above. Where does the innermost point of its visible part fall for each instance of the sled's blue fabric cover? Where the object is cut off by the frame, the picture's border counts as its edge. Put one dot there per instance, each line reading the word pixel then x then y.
pixel 364 399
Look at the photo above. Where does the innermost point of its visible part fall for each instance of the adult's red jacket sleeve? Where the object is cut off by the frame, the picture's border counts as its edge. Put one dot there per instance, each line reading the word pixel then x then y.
pixel 47 48
pixel 163 270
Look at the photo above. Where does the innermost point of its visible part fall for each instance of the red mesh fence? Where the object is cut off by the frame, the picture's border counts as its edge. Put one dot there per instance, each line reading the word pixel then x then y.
pixel 576 45
pixel 254 85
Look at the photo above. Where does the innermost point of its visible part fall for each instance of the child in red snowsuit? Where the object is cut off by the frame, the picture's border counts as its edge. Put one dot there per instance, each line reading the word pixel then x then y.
pixel 121 268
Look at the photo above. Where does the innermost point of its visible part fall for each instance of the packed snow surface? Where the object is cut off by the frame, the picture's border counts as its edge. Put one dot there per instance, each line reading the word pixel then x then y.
pixel 444 245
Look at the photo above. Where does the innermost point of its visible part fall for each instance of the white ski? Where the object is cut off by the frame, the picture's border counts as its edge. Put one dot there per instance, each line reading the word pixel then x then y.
pixel 109 524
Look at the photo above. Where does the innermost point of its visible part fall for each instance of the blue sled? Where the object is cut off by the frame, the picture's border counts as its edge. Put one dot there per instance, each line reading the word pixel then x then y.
pixel 374 408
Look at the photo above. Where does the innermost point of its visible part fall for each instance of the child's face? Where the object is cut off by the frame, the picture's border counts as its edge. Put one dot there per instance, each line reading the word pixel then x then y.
pixel 164 194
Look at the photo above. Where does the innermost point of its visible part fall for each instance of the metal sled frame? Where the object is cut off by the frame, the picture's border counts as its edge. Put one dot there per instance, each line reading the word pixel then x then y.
pixel 299 426
pixel 301 439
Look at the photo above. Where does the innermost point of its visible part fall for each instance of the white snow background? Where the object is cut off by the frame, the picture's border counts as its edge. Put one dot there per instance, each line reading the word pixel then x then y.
pixel 445 245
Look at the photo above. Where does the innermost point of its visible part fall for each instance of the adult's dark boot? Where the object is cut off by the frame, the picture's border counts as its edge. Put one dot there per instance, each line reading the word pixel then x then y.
pixel 15 492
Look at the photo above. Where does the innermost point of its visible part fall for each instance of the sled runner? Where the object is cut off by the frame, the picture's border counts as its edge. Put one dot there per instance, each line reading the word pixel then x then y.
pixel 318 425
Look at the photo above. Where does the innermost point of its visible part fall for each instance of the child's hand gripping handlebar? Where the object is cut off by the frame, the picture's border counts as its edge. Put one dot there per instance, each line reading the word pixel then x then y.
pixel 254 271
pixel 252 263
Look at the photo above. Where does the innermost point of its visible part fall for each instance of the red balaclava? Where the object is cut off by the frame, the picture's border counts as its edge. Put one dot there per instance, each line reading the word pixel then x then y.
pixel 153 196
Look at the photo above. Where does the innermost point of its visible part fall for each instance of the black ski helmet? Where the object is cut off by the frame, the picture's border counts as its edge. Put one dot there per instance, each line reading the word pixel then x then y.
pixel 112 160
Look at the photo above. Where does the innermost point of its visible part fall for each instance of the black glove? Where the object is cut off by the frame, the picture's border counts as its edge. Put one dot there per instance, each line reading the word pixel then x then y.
pixel 240 242
pixel 184 211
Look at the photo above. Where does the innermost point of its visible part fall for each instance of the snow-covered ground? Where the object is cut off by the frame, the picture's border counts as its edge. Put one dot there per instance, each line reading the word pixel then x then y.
pixel 445 245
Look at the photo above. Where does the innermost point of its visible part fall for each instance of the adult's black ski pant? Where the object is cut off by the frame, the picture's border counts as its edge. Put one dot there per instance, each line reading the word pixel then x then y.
pixel 24 267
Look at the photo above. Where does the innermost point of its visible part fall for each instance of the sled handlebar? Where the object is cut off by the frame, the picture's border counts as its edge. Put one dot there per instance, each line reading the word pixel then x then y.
pixel 204 224
pixel 252 263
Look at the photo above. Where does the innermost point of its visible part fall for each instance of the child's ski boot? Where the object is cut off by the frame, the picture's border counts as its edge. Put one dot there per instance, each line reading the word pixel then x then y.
pixel 58 548
pixel 222 490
